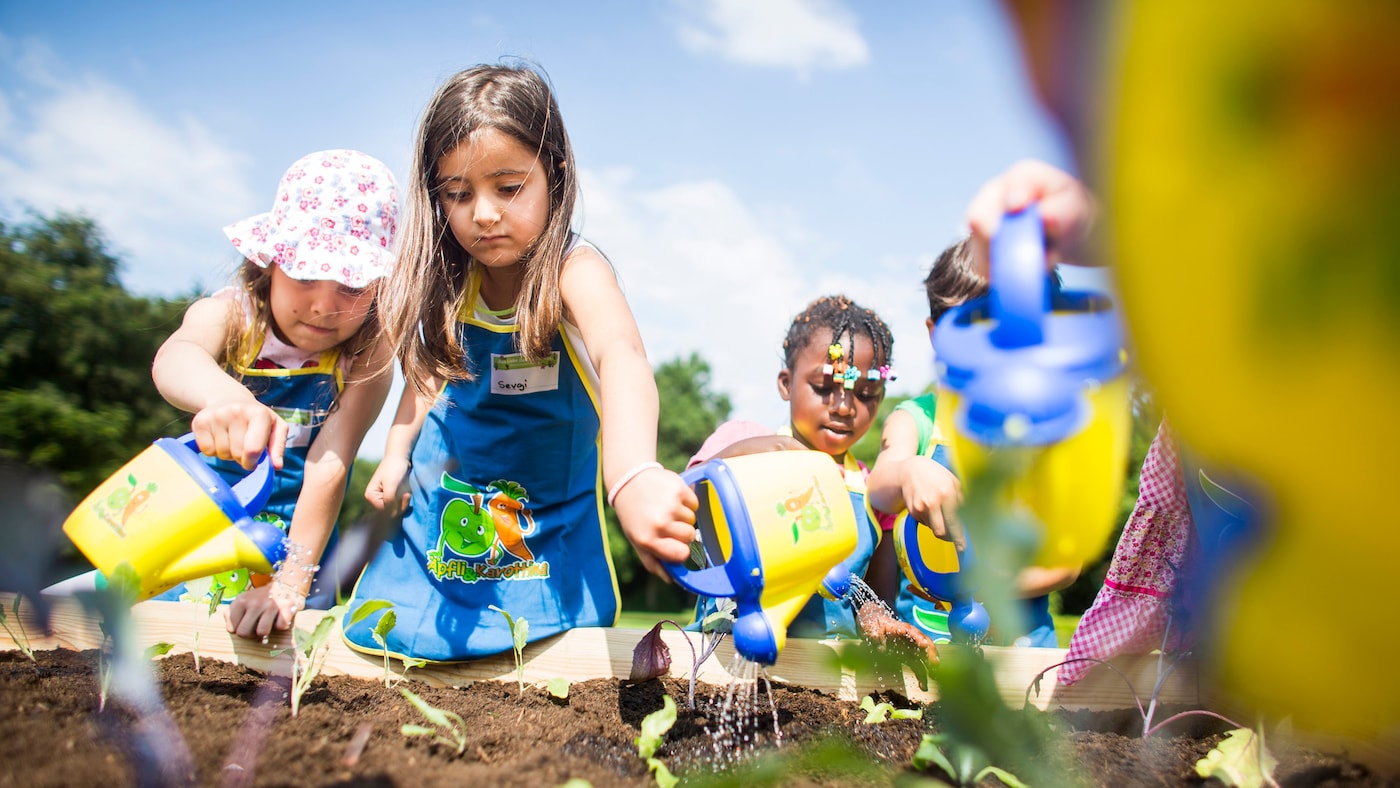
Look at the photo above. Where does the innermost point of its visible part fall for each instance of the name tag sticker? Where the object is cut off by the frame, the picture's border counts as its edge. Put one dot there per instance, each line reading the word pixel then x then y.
pixel 513 374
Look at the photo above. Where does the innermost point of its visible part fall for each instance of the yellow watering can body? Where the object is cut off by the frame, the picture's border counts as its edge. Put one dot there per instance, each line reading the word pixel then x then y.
pixel 170 518
pixel 1039 373
pixel 934 568
pixel 777 528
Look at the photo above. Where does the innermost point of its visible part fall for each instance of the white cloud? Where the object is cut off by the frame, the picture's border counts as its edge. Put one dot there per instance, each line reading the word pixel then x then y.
pixel 796 34
pixel 159 188
pixel 705 272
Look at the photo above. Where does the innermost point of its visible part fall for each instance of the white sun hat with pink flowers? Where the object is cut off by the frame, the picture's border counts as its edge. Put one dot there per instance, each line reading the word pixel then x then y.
pixel 334 217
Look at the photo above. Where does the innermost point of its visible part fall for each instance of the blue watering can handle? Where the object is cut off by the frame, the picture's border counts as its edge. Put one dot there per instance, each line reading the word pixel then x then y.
pixel 254 489
pixel 1018 280
pixel 712 581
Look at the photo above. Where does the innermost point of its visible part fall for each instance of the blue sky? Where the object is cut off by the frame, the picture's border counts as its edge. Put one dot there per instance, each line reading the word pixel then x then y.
pixel 738 158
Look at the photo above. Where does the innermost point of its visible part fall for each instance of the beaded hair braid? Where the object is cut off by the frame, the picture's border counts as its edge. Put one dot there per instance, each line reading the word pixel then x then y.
pixel 844 318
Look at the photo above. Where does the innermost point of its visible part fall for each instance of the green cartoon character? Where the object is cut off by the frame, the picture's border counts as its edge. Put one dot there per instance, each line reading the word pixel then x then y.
pixel 468 528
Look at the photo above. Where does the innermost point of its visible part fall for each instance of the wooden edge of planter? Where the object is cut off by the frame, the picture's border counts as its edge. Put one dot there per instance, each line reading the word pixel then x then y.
pixel 601 652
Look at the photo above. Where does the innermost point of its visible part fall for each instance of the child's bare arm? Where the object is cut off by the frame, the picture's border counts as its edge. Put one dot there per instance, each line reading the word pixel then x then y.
pixel 229 422
pixel 904 480
pixel 255 612
pixel 385 490
pixel 655 508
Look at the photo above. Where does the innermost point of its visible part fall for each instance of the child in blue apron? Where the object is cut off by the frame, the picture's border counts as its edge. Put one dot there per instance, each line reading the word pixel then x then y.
pixel 836 363
pixel 913 473
pixel 528 393
pixel 291 362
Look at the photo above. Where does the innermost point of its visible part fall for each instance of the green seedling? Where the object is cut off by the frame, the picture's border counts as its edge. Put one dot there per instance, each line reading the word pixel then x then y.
pixel 653 735
pixel 558 687
pixel 309 652
pixel 519 628
pixel 206 597
pixel 964 764
pixel 1240 760
pixel 446 727
pixel 651 657
pixel 382 627
pixel 22 638
pixel 158 650
pixel 876 713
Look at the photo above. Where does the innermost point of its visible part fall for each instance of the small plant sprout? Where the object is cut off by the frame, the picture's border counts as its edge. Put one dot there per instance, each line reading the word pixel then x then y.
pixel 309 652
pixel 21 639
pixel 1240 760
pixel 206 597
pixel 519 629
pixel 964 765
pixel 158 650
pixel 652 657
pixel 876 713
pixel 558 687
pixel 653 735
pixel 446 726
pixel 382 627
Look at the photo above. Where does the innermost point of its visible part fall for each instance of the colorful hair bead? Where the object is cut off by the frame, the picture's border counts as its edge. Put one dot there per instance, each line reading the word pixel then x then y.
pixel 835 351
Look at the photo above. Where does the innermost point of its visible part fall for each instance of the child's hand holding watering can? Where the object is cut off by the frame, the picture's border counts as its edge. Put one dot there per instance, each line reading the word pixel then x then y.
pixel 229 422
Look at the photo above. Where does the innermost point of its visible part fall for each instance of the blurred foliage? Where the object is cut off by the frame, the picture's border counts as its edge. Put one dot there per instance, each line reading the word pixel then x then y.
pixel 76 397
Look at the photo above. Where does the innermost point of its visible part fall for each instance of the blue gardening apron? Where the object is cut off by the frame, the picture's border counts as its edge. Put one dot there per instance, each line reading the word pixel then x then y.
pixel 303 398
pixel 505 509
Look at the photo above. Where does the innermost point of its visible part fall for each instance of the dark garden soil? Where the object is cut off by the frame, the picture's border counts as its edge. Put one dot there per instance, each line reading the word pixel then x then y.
pixel 237 730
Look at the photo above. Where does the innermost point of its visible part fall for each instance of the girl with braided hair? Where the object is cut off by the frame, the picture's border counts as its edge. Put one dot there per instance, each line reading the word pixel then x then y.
pixel 836 361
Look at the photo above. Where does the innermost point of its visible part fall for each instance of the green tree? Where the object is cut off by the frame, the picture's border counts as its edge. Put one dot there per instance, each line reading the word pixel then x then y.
pixel 76 396
pixel 690 411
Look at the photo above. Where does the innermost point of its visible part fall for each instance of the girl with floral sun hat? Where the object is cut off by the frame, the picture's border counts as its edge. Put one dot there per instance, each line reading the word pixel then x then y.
pixel 291 361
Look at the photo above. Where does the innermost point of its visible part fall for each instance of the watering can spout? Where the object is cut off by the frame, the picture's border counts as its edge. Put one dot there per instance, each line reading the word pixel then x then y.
pixel 837 582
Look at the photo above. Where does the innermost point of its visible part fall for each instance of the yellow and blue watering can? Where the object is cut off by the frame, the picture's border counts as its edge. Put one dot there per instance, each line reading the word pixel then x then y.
pixel 777 528
pixel 1028 368
pixel 935 568
pixel 172 518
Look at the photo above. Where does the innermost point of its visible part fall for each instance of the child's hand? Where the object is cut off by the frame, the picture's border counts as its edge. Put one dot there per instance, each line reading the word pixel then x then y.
pixel 657 513
pixel 931 495
pixel 1066 208
pixel 386 490
pixel 257 611
pixel 240 430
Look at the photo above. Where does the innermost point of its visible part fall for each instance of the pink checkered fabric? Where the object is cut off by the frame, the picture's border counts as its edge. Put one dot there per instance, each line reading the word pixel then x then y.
pixel 1130 612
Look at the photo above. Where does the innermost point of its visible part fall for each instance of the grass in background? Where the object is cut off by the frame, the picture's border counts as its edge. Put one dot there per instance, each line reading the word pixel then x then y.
pixel 1064 628
pixel 646 619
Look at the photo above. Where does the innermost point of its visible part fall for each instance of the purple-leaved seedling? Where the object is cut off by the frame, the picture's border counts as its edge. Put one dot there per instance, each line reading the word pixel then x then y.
pixel 652 657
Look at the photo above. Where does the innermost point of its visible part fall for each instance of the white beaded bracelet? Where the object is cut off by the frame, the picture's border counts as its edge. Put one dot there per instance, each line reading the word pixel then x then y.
pixel 629 476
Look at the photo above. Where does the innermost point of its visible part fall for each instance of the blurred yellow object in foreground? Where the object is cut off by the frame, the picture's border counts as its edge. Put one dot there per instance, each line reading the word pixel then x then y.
pixel 1253 165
